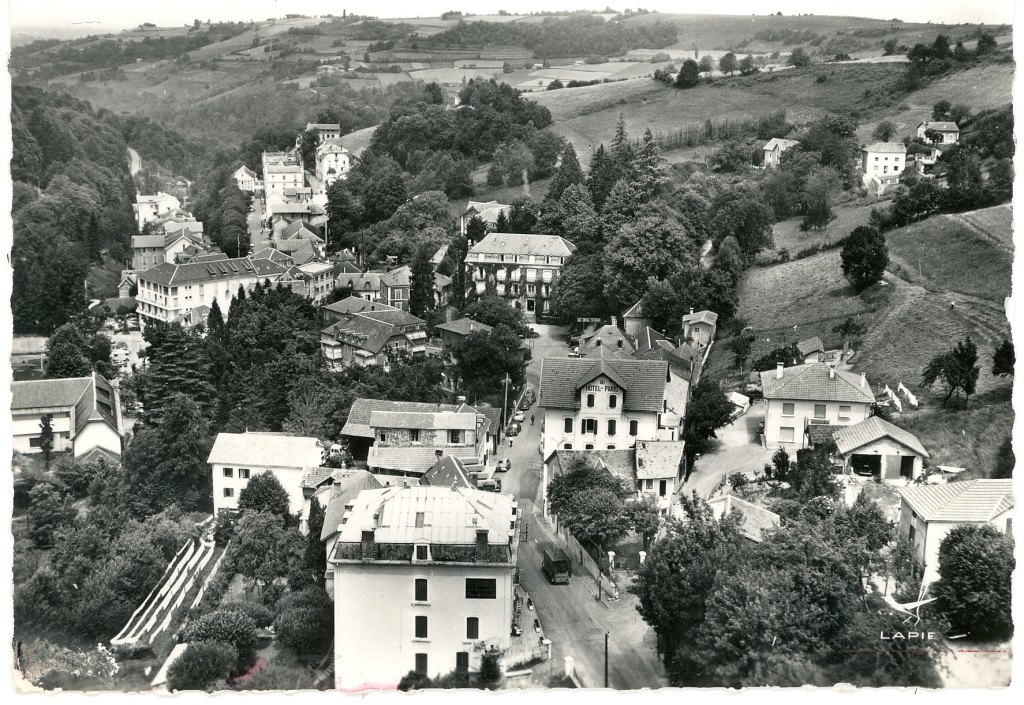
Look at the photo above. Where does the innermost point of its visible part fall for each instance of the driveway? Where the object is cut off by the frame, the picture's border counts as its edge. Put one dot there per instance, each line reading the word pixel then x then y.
pixel 572 618
pixel 737 449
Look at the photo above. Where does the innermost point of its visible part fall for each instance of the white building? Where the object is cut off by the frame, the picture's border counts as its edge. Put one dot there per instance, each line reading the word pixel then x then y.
pixel 245 178
pixel 168 291
pixel 149 208
pixel 487 211
pixel 521 268
pixel 281 170
pixel 929 512
pixel 884 161
pixel 948 132
pixel 325 131
pixel 238 457
pixel 423 581
pixel 604 404
pixel 815 394
pixel 773 151
pixel 332 162
pixel 85 411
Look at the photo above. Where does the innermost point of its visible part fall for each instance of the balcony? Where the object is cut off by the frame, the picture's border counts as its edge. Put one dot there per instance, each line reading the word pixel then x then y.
pixel 501 274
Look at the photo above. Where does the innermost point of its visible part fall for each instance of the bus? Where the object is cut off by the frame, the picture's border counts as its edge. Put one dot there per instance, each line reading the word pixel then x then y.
pixel 557 566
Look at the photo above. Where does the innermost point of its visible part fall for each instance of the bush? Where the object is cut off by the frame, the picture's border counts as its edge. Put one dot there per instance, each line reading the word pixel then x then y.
pixel 305 629
pixel 974 591
pixel 203 666
pixel 226 626
pixel 264 493
pixel 76 477
pixel 490 669
pixel 260 615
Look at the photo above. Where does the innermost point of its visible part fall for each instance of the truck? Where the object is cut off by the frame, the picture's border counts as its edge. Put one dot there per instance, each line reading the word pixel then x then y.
pixel 557 566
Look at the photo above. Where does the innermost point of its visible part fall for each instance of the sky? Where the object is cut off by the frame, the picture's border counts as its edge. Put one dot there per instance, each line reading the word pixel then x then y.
pixel 129 13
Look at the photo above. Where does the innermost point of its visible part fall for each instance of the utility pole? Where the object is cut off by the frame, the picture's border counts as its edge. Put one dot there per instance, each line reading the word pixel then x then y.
pixel 504 407
pixel 606 659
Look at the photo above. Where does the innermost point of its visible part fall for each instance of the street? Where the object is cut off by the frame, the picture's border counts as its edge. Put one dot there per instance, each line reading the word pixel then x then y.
pixel 573 618
pixel 258 238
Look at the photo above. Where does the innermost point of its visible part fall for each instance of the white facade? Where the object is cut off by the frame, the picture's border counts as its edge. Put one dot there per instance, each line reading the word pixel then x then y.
pixel 333 162
pixel 884 161
pixel 786 420
pixel 149 208
pixel 245 178
pixel 600 423
pixel 230 480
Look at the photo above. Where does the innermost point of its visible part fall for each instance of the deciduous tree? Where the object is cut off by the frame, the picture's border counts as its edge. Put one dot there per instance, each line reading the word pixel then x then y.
pixel 974 589
pixel 865 256
pixel 957 370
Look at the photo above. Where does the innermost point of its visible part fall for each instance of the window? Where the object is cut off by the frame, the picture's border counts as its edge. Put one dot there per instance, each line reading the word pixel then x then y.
pixel 819 411
pixel 912 534
pixel 243 473
pixel 611 427
pixel 229 472
pixel 589 446
pixel 611 446
pixel 422 552
pixel 420 516
pixel 414 435
pixel 461 661
pixel 455 436
pixel 567 446
pixel 481 588
pixel 472 627
pixel 650 484
pixel 786 434
pixel 421 627
pixel 383 438
pixel 590 401
pixel 421 589
pixel 36 442
pixel 613 401
pixel 844 411
pixel 788 408
pixel 568 425
pixel 590 425
pixel 421 664
pixel 229 492
pixel 634 428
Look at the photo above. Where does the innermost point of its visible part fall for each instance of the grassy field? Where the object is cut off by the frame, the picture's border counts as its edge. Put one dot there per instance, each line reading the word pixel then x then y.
pixel 789 237
pixel 944 253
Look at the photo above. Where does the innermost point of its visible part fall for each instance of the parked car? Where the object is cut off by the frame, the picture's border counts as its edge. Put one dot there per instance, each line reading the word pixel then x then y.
pixel 520 416
pixel 513 429
pixel 517 630
pixel 504 465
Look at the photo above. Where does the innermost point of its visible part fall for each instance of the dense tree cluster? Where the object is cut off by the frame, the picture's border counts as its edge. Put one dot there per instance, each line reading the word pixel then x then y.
pixel 224 210
pixel 580 34
pixel 974 590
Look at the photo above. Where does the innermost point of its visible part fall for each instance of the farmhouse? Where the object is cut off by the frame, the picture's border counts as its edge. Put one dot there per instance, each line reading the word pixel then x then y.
pixel 929 512
pixel 876 447
pixel 944 132
pixel 884 161
pixel 425 577
pixel 237 457
pixel 807 395
pixel 85 411
pixel 521 268
pixel 774 149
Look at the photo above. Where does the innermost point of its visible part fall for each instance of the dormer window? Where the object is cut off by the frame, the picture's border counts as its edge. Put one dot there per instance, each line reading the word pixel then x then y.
pixel 421 552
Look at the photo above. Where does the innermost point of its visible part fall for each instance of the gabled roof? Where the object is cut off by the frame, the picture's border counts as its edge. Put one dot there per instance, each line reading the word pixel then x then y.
pixel 780 144
pixel 886 148
pixel 523 244
pixel 439 255
pixel 464 326
pixel 806 347
pixel 370 330
pixel 646 340
pixel 93 398
pixel 643 380
pixel 658 459
pixel 425 420
pixel 940 126
pixel 487 211
pixel 357 304
pixel 607 337
pixel 812 382
pixel 414 459
pixel 358 423
pixel 850 438
pixel 347 484
pixel 960 502
pixel 819 433
pixel 619 463
pixel 274 255
pixel 756 520
pixel 598 368
pixel 446 472
pixel 326 126
pixel 635 311
pixel 709 317
pixel 265 450
pixel 363 281
pixel 300 251
pixel 167 274
pixel 245 171
pixel 300 226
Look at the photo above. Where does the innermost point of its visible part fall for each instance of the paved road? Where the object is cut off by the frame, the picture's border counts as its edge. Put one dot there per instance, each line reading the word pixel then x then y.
pixel 259 238
pixel 572 617
pixel 737 449
pixel 134 161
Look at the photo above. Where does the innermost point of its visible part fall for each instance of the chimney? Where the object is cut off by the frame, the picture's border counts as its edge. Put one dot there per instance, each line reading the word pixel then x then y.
pixel 368 553
pixel 438 453
pixel 481 545
pixel 778 370
pixel 831 372
pixel 615 321
pixel 471 326
pixel 691 310
pixel 863 380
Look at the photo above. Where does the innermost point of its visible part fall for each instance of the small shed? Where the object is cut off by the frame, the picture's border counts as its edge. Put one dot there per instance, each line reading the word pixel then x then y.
pixel 741 402
pixel 811 350
pixel 880 449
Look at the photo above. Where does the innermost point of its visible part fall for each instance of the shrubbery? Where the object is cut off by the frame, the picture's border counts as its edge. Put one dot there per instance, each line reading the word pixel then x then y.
pixel 305 621
pixel 204 665
pixel 227 626
pixel 260 615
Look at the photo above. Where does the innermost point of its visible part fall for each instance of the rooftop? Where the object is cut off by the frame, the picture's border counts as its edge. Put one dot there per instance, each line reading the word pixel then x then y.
pixel 432 420
pixel 886 148
pixel 620 463
pixel 643 381
pixel 849 438
pixel 346 486
pixel 960 502
pixel 779 143
pixel 357 304
pixel 813 382
pixel 523 244
pixel 358 422
pixel 93 398
pixel 658 459
pixel 265 450
pixel 464 326
pixel 167 274
pixel 415 459
pixel 709 317
pixel 806 347
pixel 756 520
pixel 941 126
pixel 446 472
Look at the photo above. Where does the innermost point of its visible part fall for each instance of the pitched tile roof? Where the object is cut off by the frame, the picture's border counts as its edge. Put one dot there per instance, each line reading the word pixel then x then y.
pixel 756 520
pixel 964 501
pixel 643 381
pixel 658 459
pixel 620 463
pixel 439 255
pixel 850 438
pixel 357 304
pixel 488 211
pixel 709 317
pixel 646 339
pixel 300 226
pixel 347 486
pixel 433 420
pixel 608 338
pixel 635 311
pixel 438 515
pixel 273 255
pixel 245 170
pixel 523 244
pixel 365 281
pixel 819 433
pixel 446 472
pixel 464 326
pixel 167 274
pixel 886 148
pixel 806 347
pixel 266 450
pixel 779 143
pixel 358 422
pixel 414 459
pixel 940 126
pixel 812 382
pixel 93 398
